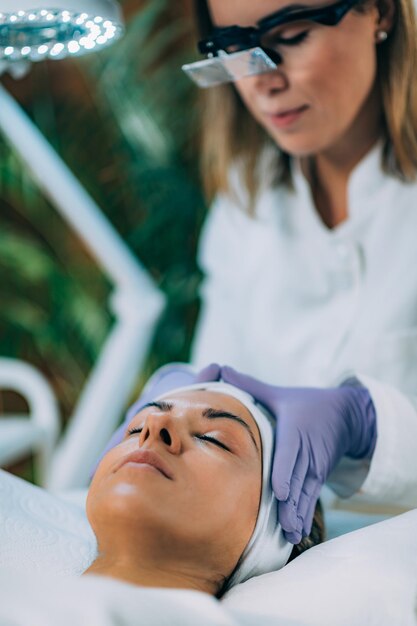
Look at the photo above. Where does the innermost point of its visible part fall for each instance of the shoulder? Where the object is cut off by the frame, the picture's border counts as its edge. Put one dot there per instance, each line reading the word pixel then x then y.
pixel 225 228
pixel 266 171
pixel 231 225
pixel 233 208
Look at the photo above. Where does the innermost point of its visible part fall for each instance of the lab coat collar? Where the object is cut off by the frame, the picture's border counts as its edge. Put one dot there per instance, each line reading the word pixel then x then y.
pixel 366 180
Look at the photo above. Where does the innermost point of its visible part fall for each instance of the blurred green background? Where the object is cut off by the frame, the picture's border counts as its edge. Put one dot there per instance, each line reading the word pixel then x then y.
pixel 125 121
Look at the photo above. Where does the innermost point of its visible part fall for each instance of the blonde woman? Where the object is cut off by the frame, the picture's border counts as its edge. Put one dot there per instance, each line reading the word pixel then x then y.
pixel 310 248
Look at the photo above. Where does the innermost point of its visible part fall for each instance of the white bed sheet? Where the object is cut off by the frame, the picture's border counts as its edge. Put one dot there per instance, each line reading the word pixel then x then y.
pixel 41 533
pixel 364 578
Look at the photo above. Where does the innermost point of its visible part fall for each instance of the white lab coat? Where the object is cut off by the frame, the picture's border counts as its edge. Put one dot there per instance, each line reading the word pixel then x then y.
pixel 294 303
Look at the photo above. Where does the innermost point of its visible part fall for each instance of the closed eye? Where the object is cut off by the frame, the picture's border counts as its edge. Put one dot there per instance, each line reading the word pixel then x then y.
pixel 132 431
pixel 293 41
pixel 213 440
pixel 216 442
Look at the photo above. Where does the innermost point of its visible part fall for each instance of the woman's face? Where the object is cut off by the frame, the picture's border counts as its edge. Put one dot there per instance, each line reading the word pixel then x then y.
pixel 202 502
pixel 325 84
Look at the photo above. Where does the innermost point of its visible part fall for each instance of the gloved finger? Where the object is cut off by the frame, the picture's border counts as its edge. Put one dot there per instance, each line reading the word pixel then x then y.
pixel 287 448
pixel 293 537
pixel 288 510
pixel 308 520
pixel 166 378
pixel 288 519
pixel 307 502
pixel 300 473
pixel 260 391
pixel 210 373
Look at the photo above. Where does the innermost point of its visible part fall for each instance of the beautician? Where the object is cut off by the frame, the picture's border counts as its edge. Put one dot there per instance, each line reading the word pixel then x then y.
pixel 310 248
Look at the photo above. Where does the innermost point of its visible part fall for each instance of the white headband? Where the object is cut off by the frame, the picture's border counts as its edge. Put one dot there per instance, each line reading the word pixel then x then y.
pixel 267 550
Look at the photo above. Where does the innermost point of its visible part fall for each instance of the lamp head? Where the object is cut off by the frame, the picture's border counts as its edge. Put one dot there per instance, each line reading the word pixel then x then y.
pixel 34 30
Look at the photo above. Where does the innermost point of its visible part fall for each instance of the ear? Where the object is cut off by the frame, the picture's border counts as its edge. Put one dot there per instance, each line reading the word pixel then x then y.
pixel 386 10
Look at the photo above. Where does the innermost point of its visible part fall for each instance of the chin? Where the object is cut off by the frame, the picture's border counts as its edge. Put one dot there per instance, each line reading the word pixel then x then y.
pixel 301 144
pixel 132 508
pixel 300 149
pixel 125 497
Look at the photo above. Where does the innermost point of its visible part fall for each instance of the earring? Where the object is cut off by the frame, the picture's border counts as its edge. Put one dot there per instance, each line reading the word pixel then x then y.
pixel 381 35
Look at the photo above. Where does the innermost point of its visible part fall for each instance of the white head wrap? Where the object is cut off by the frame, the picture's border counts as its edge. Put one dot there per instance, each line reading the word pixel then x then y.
pixel 267 550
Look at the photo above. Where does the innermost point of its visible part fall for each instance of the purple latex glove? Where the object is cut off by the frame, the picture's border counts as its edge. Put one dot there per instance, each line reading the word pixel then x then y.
pixel 315 429
pixel 165 379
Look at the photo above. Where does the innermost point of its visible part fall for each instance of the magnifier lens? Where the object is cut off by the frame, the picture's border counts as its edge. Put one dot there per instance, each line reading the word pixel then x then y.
pixel 247 63
pixel 207 73
pixel 227 68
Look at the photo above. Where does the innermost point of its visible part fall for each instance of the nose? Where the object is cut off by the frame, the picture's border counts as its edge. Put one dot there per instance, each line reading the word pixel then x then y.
pixel 271 83
pixel 160 428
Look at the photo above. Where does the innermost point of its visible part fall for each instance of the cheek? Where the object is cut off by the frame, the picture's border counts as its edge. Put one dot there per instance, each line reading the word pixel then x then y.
pixel 340 71
pixel 336 78
pixel 93 499
pixel 96 489
pixel 240 503
pixel 225 495
pixel 249 90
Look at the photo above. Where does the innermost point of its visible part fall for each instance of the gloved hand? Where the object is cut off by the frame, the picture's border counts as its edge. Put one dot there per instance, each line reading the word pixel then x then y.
pixel 165 379
pixel 315 429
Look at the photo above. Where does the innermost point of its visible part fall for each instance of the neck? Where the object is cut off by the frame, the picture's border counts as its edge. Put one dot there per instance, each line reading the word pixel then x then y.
pixel 337 164
pixel 329 170
pixel 147 574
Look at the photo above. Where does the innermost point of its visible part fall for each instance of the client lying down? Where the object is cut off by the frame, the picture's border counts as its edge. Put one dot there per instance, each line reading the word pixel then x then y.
pixel 184 499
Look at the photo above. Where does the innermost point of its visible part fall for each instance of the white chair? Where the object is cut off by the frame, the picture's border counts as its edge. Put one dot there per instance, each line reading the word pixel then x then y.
pixel 35 432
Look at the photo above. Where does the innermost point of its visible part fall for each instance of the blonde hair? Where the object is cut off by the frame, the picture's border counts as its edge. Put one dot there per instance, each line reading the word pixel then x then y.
pixel 230 135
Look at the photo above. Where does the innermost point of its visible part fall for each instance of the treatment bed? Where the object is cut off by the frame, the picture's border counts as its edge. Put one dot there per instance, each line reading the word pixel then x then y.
pixel 365 577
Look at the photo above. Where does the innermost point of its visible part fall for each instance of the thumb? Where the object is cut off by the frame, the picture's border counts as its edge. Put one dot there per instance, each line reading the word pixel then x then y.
pixel 288 450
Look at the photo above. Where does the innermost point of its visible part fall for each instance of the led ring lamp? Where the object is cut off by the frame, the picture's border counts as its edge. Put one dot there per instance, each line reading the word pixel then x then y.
pixel 34 30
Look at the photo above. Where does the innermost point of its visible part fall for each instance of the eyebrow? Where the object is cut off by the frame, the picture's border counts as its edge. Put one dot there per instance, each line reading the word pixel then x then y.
pixel 210 414
pixel 287 8
pixel 293 8
pixel 216 414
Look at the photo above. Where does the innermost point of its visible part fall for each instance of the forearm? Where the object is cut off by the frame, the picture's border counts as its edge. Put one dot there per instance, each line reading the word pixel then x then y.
pixel 390 477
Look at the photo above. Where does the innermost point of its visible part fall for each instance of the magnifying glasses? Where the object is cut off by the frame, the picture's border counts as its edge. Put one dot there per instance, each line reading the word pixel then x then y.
pixel 225 68
pixel 236 52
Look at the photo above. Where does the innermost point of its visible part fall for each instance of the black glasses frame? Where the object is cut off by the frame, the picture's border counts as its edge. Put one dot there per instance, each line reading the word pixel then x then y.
pixel 250 36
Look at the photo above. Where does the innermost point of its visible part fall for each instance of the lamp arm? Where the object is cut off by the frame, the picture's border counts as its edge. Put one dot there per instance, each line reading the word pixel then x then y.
pixel 70 198
pixel 136 301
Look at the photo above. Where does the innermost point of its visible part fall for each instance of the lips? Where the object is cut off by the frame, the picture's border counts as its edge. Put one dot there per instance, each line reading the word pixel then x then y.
pixel 289 111
pixel 147 457
pixel 285 118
